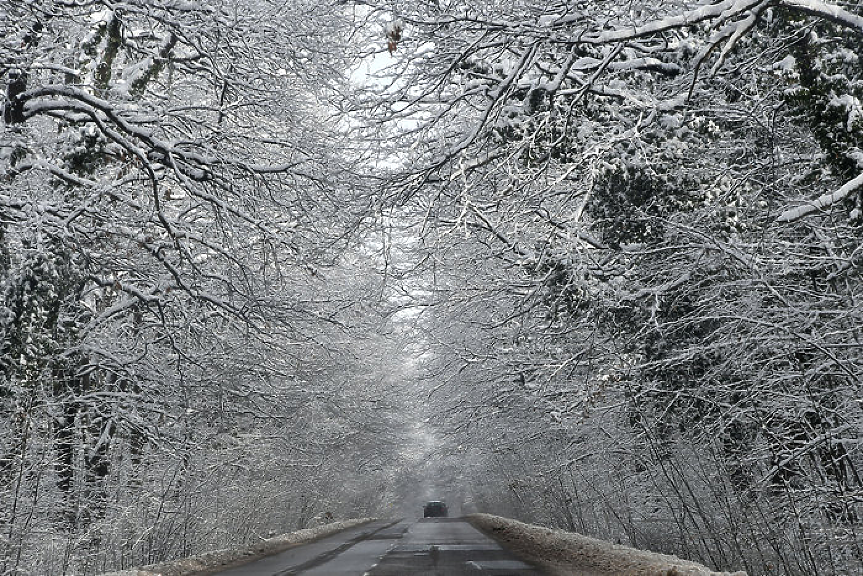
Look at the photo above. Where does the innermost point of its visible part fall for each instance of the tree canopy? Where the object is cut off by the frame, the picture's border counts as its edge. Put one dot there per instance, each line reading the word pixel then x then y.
pixel 591 264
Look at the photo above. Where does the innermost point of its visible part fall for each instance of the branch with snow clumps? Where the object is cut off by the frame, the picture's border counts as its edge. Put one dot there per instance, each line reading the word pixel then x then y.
pixel 828 12
pixel 823 201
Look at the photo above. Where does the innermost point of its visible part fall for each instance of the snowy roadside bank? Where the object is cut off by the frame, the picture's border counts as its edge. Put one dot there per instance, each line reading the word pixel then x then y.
pixel 570 554
pixel 218 559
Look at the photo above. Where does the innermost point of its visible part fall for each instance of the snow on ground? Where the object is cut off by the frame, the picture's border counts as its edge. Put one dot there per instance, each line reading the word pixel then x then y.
pixel 569 554
pixel 217 559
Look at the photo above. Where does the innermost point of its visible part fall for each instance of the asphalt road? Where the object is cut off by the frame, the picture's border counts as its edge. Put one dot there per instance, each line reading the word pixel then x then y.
pixel 428 547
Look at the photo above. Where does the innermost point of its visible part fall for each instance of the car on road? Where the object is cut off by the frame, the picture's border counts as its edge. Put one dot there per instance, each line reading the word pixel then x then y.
pixel 435 509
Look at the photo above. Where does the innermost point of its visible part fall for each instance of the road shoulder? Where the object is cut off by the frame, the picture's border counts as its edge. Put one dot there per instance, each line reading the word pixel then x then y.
pixel 563 553
pixel 219 560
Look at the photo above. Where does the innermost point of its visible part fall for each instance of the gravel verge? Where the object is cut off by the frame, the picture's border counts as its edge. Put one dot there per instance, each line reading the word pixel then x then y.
pixel 219 559
pixel 563 553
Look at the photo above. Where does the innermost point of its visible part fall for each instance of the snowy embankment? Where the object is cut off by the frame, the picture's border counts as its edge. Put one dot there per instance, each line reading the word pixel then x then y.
pixel 210 561
pixel 569 554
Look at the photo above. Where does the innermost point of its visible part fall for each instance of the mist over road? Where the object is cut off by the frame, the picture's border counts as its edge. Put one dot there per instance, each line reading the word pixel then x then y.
pixel 431 546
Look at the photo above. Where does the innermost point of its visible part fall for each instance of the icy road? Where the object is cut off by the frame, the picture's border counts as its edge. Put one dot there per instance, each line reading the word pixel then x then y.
pixel 433 546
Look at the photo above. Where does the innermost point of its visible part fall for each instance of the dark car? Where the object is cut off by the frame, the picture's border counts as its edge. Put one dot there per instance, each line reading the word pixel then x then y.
pixel 435 509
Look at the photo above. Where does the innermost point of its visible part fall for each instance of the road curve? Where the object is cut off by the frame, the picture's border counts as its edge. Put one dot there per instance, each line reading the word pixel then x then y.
pixel 428 547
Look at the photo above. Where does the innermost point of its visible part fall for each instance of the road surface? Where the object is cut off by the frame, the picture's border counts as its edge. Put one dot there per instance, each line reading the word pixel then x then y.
pixel 428 547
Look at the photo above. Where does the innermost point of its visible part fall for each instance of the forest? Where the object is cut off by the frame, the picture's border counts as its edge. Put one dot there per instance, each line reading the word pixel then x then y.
pixel 589 264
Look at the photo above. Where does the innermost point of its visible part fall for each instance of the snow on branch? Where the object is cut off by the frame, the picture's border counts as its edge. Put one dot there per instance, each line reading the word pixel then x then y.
pixel 721 10
pixel 827 11
pixel 827 437
pixel 822 201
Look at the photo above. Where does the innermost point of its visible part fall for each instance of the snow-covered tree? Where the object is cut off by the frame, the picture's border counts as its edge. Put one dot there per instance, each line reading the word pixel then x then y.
pixel 654 208
pixel 178 196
